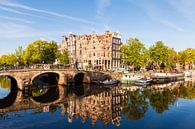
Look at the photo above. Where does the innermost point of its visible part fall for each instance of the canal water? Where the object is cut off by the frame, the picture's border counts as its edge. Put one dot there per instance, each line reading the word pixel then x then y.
pixel 93 107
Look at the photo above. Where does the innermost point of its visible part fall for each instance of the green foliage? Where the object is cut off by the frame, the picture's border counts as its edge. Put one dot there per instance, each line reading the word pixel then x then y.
pixel 5 83
pixel 158 53
pixel 19 54
pixel 9 59
pixel 63 57
pixel 187 56
pixel 136 107
pixel 41 52
pixel 172 58
pixel 133 52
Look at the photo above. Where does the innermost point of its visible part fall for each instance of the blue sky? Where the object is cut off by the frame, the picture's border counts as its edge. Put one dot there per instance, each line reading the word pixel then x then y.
pixel 23 21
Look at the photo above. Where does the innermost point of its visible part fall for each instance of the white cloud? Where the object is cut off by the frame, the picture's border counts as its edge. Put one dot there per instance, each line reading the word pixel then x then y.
pixel 13 4
pixel 15 19
pixel 101 6
pixel 185 7
pixel 172 25
pixel 158 14
pixel 12 10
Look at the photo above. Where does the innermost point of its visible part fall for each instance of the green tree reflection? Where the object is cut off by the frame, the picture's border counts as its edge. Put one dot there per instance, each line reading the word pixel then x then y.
pixel 187 92
pixel 160 100
pixel 137 106
pixel 5 83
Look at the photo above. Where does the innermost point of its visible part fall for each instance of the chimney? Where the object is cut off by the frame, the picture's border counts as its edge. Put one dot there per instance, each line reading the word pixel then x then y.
pixel 107 31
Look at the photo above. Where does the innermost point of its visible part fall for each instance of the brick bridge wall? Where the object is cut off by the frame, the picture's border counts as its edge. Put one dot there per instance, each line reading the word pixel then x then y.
pixel 25 77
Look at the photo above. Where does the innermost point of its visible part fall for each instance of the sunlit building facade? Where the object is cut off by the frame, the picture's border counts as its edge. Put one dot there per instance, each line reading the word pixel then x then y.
pixel 92 51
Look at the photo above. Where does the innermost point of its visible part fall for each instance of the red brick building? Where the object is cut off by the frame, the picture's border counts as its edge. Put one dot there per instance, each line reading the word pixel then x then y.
pixel 94 51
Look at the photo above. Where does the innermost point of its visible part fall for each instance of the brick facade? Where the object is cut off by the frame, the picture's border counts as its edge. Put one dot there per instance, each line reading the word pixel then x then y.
pixel 92 51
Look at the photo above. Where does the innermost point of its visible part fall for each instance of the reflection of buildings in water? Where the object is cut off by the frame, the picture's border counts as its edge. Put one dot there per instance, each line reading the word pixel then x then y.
pixel 105 106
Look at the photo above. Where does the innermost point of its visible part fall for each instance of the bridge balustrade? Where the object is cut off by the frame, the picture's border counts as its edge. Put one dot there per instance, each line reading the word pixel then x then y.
pixel 36 66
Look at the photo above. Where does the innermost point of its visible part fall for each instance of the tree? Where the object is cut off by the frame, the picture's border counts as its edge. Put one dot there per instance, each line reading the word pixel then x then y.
pixel 41 52
pixel 9 59
pixel 158 53
pixel 51 52
pixel 19 53
pixel 63 57
pixel 172 58
pixel 187 56
pixel 133 52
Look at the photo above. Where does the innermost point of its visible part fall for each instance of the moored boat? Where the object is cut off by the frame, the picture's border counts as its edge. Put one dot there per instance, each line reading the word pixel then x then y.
pixel 143 82
pixel 159 78
pixel 110 82
pixel 188 73
pixel 129 78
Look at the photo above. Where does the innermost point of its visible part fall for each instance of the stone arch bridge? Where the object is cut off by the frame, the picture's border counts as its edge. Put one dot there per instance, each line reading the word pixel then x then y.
pixel 25 77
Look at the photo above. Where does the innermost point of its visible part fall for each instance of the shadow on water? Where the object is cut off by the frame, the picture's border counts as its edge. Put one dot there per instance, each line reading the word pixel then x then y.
pixel 78 78
pixel 46 79
pixel 46 95
pixel 79 89
pixel 45 88
pixel 10 84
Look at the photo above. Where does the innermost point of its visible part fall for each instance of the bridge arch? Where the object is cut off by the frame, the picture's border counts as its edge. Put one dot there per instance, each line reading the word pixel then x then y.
pixel 82 77
pixel 60 77
pixel 11 97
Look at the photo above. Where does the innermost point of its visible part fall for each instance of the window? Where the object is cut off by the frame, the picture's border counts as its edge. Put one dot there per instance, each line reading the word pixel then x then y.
pixel 93 54
pixel 114 47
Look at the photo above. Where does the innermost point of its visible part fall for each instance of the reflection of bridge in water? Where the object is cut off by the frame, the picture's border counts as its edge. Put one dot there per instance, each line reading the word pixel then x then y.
pixel 105 105
pixel 96 103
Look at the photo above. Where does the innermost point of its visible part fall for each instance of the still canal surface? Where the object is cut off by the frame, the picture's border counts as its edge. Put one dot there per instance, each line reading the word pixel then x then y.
pixel 87 106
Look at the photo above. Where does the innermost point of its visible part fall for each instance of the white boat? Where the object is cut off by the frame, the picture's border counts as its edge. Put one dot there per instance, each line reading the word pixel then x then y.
pixel 110 82
pixel 143 82
pixel 167 77
pixel 188 73
pixel 129 78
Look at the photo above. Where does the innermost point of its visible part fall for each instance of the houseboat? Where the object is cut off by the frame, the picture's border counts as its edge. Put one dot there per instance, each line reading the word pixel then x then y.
pixel 143 82
pixel 159 78
pixel 129 78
